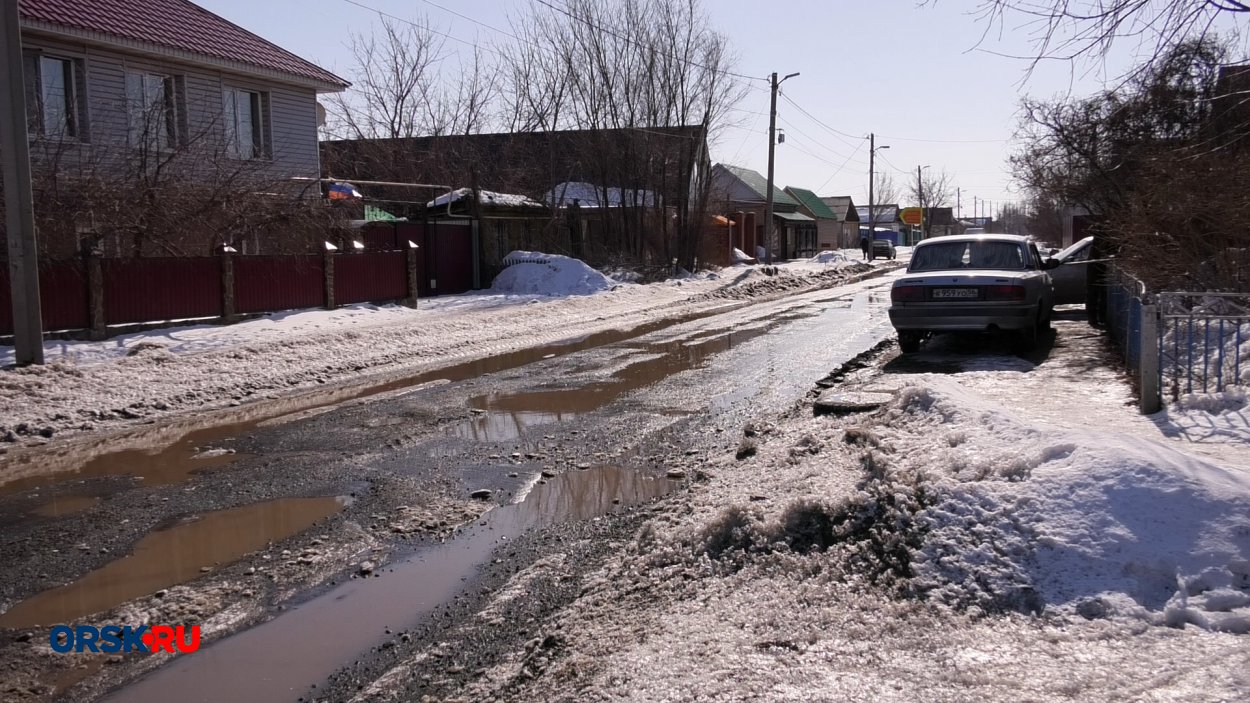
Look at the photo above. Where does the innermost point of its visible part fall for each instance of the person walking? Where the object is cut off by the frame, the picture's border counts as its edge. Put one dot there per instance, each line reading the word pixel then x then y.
pixel 864 245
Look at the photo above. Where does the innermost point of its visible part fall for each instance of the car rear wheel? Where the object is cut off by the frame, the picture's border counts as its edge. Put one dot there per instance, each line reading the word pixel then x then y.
pixel 1026 339
pixel 909 342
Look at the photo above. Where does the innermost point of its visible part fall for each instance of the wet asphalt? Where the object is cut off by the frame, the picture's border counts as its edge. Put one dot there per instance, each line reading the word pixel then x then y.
pixel 360 529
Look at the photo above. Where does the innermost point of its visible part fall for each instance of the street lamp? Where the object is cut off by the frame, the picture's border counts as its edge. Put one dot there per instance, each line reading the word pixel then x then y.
pixel 768 195
pixel 872 213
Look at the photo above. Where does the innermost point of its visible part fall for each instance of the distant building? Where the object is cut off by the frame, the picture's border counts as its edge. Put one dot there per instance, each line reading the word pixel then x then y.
pixel 847 215
pixel 740 193
pixel 827 228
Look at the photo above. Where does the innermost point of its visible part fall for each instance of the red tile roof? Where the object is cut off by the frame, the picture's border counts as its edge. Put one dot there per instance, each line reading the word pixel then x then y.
pixel 174 24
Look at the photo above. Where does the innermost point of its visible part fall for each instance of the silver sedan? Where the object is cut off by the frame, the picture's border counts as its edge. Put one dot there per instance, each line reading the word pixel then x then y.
pixel 973 283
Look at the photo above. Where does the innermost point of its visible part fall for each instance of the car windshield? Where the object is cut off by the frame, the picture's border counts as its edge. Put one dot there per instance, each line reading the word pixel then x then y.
pixel 941 256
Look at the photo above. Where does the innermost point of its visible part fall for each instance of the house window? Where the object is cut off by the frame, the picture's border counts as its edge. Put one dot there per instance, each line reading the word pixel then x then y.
pixel 52 96
pixel 151 105
pixel 244 116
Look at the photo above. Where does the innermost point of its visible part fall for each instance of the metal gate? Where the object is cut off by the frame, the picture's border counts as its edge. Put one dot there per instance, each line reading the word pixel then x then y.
pixel 1204 342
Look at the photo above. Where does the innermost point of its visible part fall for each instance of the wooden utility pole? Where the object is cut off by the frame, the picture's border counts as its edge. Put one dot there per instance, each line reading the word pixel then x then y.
pixel 18 201
pixel 920 196
pixel 872 154
pixel 772 142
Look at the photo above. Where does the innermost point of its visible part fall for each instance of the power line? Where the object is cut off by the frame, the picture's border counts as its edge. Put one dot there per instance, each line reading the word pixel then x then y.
pixel 844 163
pixel 812 139
pixel 892 138
pixel 817 120
pixel 421 27
pixel 944 141
pixel 475 21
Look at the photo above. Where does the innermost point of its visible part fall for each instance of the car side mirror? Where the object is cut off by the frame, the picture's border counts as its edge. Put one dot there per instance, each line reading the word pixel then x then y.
pixel 1049 264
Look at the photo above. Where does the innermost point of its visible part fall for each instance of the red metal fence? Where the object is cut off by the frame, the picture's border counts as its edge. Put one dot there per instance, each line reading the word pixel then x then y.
pixel 267 283
pixel 62 294
pixel 164 289
pixel 375 276
pixel 143 290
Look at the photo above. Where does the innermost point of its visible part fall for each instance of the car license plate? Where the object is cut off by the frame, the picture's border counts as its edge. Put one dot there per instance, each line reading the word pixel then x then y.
pixel 947 293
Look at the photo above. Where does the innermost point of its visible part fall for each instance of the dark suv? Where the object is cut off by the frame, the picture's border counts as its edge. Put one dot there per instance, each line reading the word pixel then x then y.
pixel 882 249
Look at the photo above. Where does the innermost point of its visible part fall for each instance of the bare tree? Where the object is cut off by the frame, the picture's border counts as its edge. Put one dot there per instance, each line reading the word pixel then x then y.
pixel 628 72
pixel 934 189
pixel 1073 29
pixel 402 88
pixel 885 190
pixel 1145 158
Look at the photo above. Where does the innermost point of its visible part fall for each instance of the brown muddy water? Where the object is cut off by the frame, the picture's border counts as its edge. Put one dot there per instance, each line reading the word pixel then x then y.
pixel 172 556
pixel 174 452
pixel 283 658
pixel 508 415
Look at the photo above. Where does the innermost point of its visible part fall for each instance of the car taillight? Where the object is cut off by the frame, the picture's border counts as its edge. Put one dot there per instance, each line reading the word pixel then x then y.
pixel 907 294
pixel 1012 293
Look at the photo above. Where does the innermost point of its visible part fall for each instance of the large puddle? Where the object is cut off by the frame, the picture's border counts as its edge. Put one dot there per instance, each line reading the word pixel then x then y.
pixel 172 453
pixel 508 416
pixel 171 556
pixel 283 658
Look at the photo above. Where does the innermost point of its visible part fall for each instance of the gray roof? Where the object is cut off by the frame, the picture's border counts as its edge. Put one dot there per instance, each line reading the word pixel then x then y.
pixel 794 216
pixel 842 205
pixel 884 213
pixel 759 185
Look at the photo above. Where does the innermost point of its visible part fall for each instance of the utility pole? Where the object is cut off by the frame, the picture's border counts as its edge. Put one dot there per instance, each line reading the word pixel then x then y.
pixel 18 201
pixel 920 194
pixel 872 210
pixel 772 142
pixel 959 209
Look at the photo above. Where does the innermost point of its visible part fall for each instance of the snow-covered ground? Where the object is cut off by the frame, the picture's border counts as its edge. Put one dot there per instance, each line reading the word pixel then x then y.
pixel 1005 532
pixel 89 386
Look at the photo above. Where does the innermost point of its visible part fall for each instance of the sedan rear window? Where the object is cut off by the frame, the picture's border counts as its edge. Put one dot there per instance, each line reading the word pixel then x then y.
pixel 941 256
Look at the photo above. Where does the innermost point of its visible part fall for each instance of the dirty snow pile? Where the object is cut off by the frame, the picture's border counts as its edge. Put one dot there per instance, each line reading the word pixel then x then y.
pixel 826 257
pixel 535 273
pixel 942 549
pixel 1091 523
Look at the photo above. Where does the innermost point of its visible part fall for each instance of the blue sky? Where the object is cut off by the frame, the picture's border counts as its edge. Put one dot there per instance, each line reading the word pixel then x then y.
pixel 911 74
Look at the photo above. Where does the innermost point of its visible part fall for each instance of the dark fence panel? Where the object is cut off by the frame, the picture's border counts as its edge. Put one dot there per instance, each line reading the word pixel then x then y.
pixel 62 297
pixel 453 258
pixel 150 290
pixel 6 303
pixel 374 276
pixel 268 283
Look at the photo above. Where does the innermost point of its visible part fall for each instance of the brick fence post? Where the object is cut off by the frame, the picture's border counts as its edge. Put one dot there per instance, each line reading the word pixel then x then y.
pixel 98 328
pixel 227 286
pixel 414 285
pixel 328 259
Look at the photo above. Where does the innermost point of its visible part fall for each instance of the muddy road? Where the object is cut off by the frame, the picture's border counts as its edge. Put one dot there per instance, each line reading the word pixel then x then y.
pixel 317 544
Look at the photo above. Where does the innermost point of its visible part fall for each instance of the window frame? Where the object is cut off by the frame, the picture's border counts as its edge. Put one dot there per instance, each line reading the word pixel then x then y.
pixel 73 77
pixel 172 122
pixel 258 118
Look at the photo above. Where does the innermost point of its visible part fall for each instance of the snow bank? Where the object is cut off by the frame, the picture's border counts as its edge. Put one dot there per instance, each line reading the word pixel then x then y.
pixel 1085 523
pixel 825 257
pixel 535 273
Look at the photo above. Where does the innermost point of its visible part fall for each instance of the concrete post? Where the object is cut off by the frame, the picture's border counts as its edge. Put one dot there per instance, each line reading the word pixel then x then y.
pixel 1150 401
pixel 227 287
pixel 328 259
pixel 414 284
pixel 95 295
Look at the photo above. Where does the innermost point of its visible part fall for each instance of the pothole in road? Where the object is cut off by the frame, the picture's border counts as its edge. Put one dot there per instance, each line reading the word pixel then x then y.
pixel 169 454
pixel 508 416
pixel 284 657
pixel 66 506
pixel 172 556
